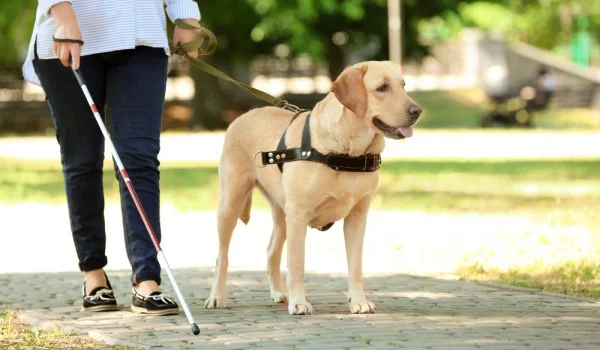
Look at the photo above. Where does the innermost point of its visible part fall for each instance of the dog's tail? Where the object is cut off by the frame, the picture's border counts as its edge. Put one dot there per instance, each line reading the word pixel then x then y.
pixel 245 216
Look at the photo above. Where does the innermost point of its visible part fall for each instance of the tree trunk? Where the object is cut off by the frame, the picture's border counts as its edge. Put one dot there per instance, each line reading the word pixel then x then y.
pixel 565 12
pixel 336 60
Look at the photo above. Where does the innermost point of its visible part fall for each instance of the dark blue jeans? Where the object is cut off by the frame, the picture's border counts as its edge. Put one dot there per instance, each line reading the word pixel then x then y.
pixel 130 86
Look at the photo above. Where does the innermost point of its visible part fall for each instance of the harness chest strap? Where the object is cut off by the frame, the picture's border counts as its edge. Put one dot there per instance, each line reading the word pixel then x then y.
pixel 339 162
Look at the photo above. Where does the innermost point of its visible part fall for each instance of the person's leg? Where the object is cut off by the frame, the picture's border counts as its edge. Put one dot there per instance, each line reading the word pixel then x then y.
pixel 82 155
pixel 136 84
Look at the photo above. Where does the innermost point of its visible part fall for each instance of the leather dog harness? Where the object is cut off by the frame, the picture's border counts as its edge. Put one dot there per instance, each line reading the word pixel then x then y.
pixel 339 162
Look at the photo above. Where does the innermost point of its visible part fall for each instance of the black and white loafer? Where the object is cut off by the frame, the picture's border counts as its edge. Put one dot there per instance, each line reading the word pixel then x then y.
pixel 100 299
pixel 154 304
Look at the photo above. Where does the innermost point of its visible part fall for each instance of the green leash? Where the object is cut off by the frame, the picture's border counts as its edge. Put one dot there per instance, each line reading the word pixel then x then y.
pixel 206 43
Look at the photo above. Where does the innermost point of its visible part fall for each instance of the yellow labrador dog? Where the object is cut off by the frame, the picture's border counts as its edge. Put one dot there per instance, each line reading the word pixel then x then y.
pixel 367 103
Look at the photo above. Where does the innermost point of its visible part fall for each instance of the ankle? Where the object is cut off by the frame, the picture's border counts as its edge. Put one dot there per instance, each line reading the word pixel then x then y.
pixel 94 279
pixel 146 288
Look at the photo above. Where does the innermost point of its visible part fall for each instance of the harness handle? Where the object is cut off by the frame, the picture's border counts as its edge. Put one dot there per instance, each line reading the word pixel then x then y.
pixel 206 43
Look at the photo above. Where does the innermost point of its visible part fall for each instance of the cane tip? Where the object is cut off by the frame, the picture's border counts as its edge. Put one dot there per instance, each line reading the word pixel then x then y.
pixel 195 329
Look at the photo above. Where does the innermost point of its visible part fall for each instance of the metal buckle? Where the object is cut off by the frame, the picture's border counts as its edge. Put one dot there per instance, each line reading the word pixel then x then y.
pixel 262 164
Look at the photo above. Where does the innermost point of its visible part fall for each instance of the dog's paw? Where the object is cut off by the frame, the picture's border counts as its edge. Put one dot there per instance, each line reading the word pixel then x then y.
pixel 362 307
pixel 301 308
pixel 279 297
pixel 215 303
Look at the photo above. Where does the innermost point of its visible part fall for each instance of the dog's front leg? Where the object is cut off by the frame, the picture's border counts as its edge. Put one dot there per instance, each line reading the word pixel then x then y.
pixel 296 226
pixel 354 233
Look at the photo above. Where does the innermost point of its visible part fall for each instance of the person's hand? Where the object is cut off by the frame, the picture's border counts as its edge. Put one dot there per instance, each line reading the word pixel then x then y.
pixel 182 35
pixel 66 28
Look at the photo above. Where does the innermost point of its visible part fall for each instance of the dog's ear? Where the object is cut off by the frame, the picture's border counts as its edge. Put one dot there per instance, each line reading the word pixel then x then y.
pixel 349 89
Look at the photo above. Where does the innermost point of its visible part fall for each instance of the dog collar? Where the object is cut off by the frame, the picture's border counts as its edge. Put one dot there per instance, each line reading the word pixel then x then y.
pixel 339 162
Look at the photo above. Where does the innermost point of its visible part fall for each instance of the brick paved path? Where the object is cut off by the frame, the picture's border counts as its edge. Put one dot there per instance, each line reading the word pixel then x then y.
pixel 413 312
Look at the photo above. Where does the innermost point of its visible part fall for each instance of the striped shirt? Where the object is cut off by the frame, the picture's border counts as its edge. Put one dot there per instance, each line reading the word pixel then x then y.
pixel 108 25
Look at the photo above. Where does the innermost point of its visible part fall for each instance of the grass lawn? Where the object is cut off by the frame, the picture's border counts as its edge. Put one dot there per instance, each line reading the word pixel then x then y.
pixel 580 278
pixel 15 334
pixel 448 111
pixel 463 109
pixel 569 191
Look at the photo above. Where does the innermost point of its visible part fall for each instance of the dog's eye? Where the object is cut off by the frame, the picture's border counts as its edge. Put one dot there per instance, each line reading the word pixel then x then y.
pixel 383 88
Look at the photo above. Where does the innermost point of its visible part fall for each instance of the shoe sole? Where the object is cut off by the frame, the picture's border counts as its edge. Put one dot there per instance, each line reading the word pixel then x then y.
pixel 101 308
pixel 141 310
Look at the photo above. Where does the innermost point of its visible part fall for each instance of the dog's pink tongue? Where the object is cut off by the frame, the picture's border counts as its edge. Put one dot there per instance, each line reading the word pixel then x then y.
pixel 406 132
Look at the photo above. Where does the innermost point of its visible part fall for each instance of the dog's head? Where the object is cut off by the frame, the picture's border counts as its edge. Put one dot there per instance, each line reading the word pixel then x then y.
pixel 375 91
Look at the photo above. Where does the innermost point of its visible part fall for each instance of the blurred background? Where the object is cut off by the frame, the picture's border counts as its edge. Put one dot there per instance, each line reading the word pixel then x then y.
pixel 501 181
pixel 467 55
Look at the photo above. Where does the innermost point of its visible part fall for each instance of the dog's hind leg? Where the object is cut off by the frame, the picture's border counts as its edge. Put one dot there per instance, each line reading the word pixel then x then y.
pixel 236 190
pixel 274 255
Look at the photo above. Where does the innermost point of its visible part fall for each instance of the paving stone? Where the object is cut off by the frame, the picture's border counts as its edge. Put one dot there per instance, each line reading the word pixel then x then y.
pixel 544 344
pixel 475 316
pixel 211 347
pixel 331 340
pixel 455 346
pixel 343 345
pixel 276 347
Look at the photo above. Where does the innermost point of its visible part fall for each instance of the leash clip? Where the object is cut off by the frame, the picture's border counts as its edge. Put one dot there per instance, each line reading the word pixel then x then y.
pixel 291 107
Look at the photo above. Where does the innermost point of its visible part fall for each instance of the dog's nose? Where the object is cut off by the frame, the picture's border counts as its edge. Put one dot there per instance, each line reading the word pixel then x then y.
pixel 414 111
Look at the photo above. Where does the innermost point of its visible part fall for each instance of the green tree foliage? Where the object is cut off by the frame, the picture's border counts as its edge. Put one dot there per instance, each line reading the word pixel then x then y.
pixel 442 14
pixel 306 26
pixel 247 28
pixel 16 24
pixel 538 22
